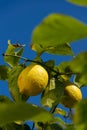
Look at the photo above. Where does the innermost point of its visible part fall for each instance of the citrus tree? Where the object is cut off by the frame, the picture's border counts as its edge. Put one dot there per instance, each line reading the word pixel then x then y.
pixel 56 84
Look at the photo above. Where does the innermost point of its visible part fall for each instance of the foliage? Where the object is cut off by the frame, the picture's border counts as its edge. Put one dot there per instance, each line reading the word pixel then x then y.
pixel 53 35
pixel 79 2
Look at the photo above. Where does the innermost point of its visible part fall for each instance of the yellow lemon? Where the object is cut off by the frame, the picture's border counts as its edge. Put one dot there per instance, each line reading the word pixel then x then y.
pixel 72 95
pixel 32 80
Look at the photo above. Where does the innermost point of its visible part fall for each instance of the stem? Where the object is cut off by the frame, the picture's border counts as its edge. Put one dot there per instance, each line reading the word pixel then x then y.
pixel 23 58
pixel 53 109
pixel 28 60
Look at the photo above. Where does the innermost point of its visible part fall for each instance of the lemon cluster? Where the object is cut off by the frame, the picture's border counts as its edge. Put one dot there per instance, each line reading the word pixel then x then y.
pixel 34 79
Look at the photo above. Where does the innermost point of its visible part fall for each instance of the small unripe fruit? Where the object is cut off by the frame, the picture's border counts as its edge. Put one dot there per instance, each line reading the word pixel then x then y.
pixel 32 80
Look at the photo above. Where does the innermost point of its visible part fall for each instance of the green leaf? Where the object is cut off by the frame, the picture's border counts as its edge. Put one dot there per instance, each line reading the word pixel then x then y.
pixel 70 127
pixel 53 126
pixel 60 121
pixel 60 111
pixel 4 72
pixel 64 49
pixel 4 99
pixel 26 127
pixel 14 50
pixel 78 2
pixel 12 126
pixel 79 65
pixel 64 67
pixel 55 32
pixel 10 112
pixel 12 82
pixel 80 117
pixel 80 80
pixel 50 63
pixel 56 127
pixel 53 93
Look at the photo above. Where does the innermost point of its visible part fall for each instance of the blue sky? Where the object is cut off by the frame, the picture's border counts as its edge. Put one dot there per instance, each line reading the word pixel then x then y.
pixel 18 19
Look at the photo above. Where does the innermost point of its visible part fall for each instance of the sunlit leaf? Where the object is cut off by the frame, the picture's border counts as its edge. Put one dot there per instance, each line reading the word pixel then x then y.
pixel 64 49
pixel 55 32
pixel 78 2
pixel 14 50
pixel 79 65
pixel 22 111
pixel 60 111
pixel 4 72
pixel 12 82
pixel 80 117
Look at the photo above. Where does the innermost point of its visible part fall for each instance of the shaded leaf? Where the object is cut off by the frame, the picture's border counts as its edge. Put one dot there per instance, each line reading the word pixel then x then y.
pixel 60 121
pixel 12 126
pixel 50 63
pixel 80 117
pixel 14 50
pixel 52 94
pixel 70 127
pixel 56 127
pixel 4 72
pixel 26 127
pixel 64 67
pixel 4 99
pixel 50 66
pixel 12 82
pixel 55 32
pixel 79 65
pixel 78 2
pixel 53 126
pixel 23 111
pixel 80 80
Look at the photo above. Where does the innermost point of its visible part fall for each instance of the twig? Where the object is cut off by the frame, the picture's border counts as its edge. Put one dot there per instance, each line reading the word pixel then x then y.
pixel 41 63
pixel 53 109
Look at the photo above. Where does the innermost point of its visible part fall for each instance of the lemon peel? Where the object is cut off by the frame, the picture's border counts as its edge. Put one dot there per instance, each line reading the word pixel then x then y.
pixel 72 95
pixel 32 80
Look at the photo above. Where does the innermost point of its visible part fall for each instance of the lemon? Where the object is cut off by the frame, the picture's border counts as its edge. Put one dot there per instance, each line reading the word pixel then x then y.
pixel 32 80
pixel 72 95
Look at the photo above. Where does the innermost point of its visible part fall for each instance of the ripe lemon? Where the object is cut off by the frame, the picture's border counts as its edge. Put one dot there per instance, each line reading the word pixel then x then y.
pixel 72 95
pixel 32 80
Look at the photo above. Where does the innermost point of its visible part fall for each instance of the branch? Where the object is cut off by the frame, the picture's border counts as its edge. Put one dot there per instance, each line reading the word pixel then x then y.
pixel 52 110
pixel 41 63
